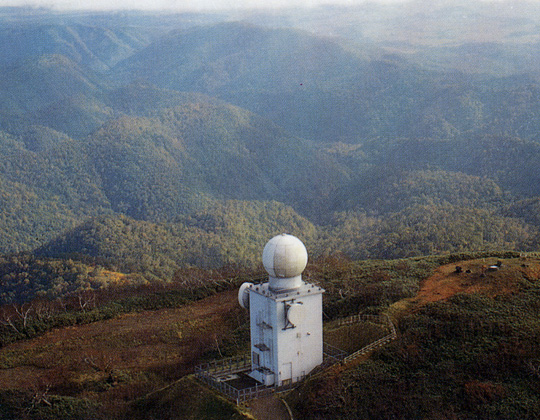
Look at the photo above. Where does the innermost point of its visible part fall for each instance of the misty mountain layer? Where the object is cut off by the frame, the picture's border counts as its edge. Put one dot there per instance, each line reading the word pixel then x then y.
pixel 192 141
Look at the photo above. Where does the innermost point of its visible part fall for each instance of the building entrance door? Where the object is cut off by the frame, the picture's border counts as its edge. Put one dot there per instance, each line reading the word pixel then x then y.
pixel 286 373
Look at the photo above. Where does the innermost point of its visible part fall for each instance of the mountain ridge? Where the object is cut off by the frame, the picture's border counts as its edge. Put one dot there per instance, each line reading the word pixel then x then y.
pixel 366 146
pixel 146 158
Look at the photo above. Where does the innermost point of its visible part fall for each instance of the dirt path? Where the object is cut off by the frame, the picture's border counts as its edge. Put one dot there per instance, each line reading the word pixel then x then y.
pixel 269 408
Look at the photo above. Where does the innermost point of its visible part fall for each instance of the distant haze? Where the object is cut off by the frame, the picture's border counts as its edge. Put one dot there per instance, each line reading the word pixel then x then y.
pixel 175 4
pixel 182 4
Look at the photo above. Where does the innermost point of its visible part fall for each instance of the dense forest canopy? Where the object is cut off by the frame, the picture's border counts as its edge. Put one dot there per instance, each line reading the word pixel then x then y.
pixel 147 157
pixel 152 142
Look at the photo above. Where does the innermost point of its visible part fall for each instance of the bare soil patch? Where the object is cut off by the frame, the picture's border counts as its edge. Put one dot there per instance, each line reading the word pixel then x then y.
pixel 475 276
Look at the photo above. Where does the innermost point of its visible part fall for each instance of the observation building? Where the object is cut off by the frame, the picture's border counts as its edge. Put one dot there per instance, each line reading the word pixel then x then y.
pixel 285 316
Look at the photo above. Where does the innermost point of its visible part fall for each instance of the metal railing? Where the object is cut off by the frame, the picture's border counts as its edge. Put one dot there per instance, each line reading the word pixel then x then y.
pixel 229 365
pixel 236 394
pixel 333 353
pixel 376 344
pixel 354 319
pixel 212 372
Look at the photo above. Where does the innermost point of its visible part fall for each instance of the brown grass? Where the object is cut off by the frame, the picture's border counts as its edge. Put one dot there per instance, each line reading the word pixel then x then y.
pixel 351 338
pixel 121 358
pixel 446 282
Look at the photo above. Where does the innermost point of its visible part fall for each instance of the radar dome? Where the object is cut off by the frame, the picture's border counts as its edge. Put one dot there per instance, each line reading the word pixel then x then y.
pixel 285 257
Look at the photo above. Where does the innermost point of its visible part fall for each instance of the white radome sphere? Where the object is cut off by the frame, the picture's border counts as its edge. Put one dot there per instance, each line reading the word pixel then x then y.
pixel 284 256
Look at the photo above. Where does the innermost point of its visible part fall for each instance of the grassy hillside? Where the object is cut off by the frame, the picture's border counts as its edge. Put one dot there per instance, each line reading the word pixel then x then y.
pixel 128 354
pixel 471 353
pixel 131 366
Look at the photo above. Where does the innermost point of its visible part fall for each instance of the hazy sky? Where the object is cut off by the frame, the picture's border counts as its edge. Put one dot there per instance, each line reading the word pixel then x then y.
pixel 174 4
pixel 193 4
pixel 179 4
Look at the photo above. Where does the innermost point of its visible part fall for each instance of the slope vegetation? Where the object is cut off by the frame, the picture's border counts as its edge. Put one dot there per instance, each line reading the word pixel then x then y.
pixel 378 154
pixel 467 349
pixel 133 363
pixel 107 365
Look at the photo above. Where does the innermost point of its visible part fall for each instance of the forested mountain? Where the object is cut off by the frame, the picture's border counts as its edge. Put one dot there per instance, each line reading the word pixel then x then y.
pixel 227 233
pixel 91 46
pixel 31 84
pixel 379 148
pixel 327 90
pixel 147 157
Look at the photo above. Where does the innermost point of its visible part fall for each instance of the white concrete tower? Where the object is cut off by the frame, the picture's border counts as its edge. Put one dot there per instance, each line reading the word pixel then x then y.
pixel 285 316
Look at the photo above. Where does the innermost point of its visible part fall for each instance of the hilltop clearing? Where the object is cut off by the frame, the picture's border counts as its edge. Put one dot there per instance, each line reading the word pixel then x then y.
pixel 488 276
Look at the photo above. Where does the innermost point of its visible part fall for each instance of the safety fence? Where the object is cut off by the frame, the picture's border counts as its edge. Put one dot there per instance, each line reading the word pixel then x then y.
pixel 355 319
pixel 218 372
pixel 332 354
pixel 236 394
pixel 392 335
pixel 225 366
